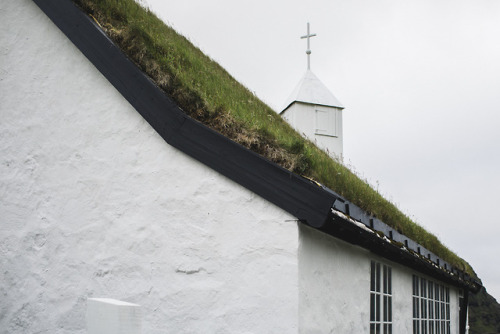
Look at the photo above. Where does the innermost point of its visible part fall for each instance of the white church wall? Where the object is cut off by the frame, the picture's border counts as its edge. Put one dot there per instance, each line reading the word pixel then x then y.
pixel 96 204
pixel 334 287
pixel 304 118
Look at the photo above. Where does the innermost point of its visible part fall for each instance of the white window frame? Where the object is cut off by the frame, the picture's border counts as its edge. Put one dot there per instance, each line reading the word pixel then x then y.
pixel 431 307
pixel 380 298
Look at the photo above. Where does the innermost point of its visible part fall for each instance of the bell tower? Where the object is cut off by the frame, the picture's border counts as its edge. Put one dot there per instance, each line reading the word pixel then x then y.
pixel 314 111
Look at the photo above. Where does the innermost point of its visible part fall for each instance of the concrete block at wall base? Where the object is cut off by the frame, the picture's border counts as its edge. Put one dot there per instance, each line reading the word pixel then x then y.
pixel 111 316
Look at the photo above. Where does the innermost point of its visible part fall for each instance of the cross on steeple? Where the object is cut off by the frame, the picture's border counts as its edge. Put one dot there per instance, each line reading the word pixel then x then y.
pixel 308 51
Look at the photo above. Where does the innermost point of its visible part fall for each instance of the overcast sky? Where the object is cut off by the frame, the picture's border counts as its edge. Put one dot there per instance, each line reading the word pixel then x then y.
pixel 420 80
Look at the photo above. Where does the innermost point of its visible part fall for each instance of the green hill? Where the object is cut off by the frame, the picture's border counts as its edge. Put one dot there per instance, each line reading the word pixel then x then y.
pixel 484 314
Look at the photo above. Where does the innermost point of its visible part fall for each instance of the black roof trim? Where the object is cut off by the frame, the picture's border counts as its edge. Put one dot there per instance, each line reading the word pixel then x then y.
pixel 345 228
pixel 295 194
pixel 310 203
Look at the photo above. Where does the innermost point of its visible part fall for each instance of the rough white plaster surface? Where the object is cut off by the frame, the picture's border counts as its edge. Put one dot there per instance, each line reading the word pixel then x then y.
pixel 95 204
pixel 334 285
pixel 111 316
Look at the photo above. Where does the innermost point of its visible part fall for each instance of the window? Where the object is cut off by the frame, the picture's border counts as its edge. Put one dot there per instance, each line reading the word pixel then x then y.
pixel 326 122
pixel 380 299
pixel 431 307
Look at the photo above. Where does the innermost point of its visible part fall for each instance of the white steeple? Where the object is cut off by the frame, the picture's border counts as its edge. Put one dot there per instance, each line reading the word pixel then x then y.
pixel 314 111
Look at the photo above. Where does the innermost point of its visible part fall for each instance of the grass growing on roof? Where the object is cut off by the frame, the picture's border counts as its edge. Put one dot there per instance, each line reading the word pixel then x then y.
pixel 208 93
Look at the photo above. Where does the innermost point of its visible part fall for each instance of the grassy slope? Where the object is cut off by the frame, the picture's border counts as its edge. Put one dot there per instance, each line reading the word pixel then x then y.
pixel 205 91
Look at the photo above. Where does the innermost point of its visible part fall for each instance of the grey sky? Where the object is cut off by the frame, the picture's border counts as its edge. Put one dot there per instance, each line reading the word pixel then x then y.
pixel 420 80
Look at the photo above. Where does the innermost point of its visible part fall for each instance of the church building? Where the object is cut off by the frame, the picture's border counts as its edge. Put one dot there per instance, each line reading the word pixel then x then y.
pixel 110 190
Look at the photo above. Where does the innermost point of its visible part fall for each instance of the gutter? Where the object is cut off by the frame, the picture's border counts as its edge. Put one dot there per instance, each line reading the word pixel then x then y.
pixel 381 239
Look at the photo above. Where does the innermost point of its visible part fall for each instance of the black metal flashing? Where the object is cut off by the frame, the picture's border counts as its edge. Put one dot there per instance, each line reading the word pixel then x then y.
pixel 311 204
pixel 296 195
pixel 422 259
pixel 346 228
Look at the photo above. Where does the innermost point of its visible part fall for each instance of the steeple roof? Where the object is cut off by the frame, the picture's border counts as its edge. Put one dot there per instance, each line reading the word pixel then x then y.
pixel 311 90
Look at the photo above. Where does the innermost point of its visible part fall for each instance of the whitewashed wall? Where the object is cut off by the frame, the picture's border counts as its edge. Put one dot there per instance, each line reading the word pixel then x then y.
pixel 95 204
pixel 301 117
pixel 334 285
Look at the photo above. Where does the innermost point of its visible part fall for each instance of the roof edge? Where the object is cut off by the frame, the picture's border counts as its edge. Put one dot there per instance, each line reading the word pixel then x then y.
pixel 344 229
pixel 313 104
pixel 310 203
pixel 265 178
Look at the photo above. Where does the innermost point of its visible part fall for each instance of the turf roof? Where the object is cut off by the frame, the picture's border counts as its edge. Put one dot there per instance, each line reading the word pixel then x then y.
pixel 208 93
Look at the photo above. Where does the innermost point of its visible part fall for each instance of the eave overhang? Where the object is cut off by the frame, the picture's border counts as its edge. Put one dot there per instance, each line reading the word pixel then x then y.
pixel 346 228
pixel 311 203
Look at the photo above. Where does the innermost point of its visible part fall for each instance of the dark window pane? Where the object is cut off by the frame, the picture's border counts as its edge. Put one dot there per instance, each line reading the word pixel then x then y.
pixel 390 309
pixel 389 280
pixel 377 302
pixel 372 328
pixel 372 307
pixel 418 307
pixel 386 307
pixel 423 289
pixel 431 290
pixel 415 326
pixel 384 275
pixel 377 277
pixel 372 279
